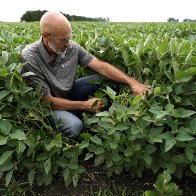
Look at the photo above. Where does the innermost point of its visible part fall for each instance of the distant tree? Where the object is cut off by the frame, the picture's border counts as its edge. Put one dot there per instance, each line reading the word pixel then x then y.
pixel 189 20
pixel 31 16
pixel 172 20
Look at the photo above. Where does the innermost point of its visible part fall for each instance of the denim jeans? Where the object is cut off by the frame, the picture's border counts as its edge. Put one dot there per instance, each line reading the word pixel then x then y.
pixel 71 124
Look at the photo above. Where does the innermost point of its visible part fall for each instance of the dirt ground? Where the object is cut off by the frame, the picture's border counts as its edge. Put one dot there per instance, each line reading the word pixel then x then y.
pixel 95 182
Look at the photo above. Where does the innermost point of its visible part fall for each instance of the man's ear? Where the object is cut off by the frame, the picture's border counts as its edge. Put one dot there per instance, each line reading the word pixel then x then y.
pixel 45 35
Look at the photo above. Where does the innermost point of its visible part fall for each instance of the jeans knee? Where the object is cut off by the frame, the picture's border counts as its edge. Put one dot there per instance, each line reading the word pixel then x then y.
pixel 73 129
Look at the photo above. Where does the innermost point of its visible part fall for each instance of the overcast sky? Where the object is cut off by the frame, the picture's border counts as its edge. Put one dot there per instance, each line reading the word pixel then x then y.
pixel 115 10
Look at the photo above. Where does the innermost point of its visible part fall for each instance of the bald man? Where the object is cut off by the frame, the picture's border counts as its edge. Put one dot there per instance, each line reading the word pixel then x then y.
pixel 54 59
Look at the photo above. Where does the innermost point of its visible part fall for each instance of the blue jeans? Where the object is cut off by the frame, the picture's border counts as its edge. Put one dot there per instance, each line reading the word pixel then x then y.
pixel 71 124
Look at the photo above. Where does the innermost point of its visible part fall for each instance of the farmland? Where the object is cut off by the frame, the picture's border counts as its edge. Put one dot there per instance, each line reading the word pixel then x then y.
pixel 155 132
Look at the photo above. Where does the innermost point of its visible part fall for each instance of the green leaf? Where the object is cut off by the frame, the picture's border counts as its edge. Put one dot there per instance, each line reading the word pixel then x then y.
pixel 184 137
pixel 99 150
pixel 120 108
pixel 179 159
pixel 5 126
pixel 8 177
pixel 150 193
pixel 5 56
pixel 99 159
pixel 84 144
pixel 185 75
pixel 31 176
pixel 116 157
pixel 66 174
pixel 150 149
pixel 20 147
pixel 189 152
pixel 88 156
pixel 3 140
pixel 193 168
pixel 118 169
pixel 169 143
pixel 47 165
pixel 113 144
pixel 183 113
pixel 5 156
pixel 121 127
pixel 75 179
pixel 193 125
pixel 42 157
pixel 96 140
pixel 111 93
pixel 101 114
pixel 128 152
pixel 147 158
pixel 171 167
pixel 3 94
pixel 19 135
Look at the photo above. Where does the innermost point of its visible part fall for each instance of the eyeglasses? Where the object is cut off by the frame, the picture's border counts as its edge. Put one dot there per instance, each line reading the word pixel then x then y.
pixel 62 40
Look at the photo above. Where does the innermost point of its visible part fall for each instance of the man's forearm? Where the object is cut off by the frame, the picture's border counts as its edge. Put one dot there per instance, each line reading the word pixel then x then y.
pixel 117 75
pixel 111 72
pixel 91 105
pixel 64 104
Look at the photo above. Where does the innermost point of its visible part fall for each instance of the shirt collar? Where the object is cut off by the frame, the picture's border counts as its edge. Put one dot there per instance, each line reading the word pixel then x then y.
pixel 44 53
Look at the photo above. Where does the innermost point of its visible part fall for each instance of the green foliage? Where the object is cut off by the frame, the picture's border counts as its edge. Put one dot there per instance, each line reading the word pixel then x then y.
pixel 133 133
pixel 156 131
pixel 163 186
pixel 27 142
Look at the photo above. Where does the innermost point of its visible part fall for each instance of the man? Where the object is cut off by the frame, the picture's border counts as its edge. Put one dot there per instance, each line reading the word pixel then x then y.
pixel 54 59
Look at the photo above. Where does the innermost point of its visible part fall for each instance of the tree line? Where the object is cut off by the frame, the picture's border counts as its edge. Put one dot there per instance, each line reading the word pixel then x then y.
pixel 31 16
pixel 177 20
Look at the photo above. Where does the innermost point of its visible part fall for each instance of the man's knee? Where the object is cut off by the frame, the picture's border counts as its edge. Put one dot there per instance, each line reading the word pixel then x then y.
pixel 72 129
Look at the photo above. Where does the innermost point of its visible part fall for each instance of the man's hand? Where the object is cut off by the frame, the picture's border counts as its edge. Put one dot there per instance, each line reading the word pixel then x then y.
pixel 94 104
pixel 139 88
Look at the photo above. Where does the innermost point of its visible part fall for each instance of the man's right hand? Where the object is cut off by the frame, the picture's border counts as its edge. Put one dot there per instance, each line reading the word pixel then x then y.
pixel 94 104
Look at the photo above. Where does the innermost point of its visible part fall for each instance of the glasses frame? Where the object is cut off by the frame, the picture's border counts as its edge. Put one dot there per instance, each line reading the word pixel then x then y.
pixel 62 40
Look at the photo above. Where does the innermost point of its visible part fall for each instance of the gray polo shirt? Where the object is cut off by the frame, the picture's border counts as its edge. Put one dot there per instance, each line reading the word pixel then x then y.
pixel 54 76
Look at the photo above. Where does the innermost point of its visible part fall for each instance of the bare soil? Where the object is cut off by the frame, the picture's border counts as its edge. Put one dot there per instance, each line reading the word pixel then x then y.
pixel 94 182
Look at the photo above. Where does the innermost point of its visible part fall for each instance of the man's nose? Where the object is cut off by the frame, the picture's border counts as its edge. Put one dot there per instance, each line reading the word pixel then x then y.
pixel 67 43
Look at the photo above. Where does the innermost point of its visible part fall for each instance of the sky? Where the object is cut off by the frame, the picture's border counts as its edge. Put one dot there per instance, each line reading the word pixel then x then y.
pixel 115 10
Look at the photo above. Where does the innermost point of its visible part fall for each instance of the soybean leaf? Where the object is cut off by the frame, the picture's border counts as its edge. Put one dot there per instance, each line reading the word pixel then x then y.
pixel 96 140
pixel 184 137
pixel 5 126
pixel 189 153
pixel 169 143
pixel 47 165
pixel 99 159
pixel 183 113
pixel 75 179
pixel 88 156
pixel 150 149
pixel 193 168
pixel 5 156
pixel 3 94
pixel 19 135
pixel 84 144
pixel 31 176
pixel 3 140
pixel 8 177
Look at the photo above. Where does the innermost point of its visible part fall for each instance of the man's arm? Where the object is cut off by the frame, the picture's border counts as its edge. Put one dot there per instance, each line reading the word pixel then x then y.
pixel 91 105
pixel 111 72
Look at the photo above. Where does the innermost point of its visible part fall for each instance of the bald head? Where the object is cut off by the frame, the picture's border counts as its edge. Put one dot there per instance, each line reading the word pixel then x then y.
pixel 54 22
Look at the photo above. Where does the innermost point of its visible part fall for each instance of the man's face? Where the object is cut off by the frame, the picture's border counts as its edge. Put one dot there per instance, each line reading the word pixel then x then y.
pixel 59 43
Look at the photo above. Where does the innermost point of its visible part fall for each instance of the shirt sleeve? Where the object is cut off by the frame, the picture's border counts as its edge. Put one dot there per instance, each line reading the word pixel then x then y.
pixel 84 57
pixel 36 78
